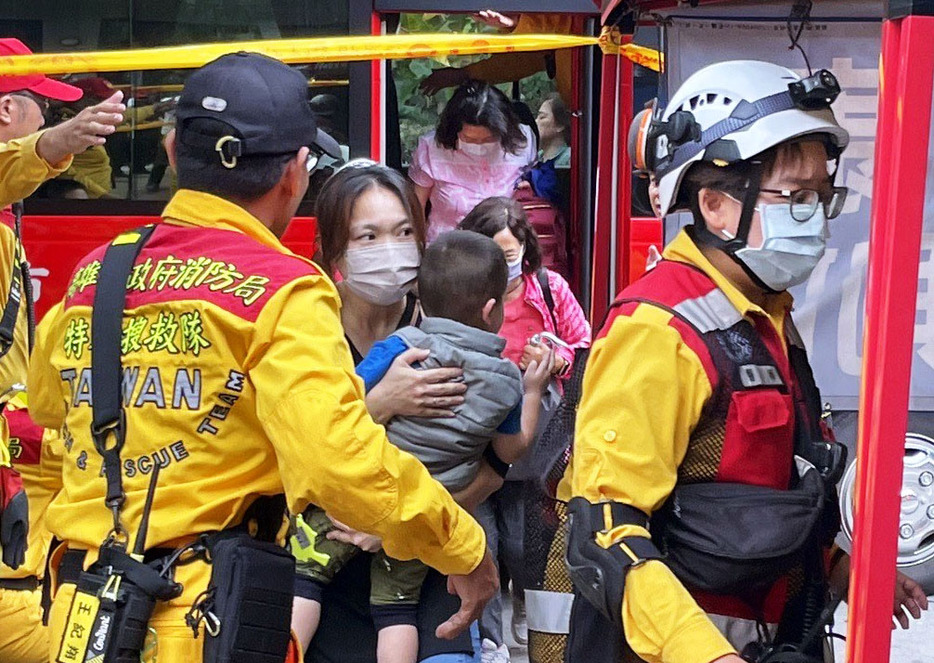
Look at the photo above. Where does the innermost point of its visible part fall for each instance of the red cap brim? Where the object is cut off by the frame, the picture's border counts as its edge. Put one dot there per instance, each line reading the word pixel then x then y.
pixel 53 89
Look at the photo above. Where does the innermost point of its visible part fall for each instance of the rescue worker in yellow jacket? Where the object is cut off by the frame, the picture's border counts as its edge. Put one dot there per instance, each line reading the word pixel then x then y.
pixel 36 454
pixel 28 156
pixel 237 381
pixel 699 419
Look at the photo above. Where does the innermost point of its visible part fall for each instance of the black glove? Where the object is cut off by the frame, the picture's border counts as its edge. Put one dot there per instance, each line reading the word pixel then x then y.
pixel 14 517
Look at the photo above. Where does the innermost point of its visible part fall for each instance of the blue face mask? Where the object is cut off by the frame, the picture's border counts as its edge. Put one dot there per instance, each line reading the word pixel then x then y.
pixel 790 249
pixel 515 267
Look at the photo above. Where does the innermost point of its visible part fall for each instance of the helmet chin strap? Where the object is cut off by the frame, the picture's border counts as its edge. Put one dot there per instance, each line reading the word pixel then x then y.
pixel 731 246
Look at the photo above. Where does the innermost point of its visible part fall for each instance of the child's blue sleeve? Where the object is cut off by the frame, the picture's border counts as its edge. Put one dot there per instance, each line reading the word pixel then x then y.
pixel 379 359
pixel 512 424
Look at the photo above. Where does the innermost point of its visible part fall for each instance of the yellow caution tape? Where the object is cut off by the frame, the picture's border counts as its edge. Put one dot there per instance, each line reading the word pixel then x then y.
pixel 291 51
pixel 611 43
pixel 646 57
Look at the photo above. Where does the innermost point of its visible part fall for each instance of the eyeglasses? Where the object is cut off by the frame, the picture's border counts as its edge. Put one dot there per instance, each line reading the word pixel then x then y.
pixel 803 202
pixel 38 100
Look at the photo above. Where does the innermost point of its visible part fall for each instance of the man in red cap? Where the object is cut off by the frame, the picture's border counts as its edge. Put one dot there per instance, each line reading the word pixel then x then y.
pixel 28 157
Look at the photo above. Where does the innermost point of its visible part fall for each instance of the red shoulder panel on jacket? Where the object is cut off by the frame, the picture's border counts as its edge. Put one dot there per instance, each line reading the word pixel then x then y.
pixel 223 267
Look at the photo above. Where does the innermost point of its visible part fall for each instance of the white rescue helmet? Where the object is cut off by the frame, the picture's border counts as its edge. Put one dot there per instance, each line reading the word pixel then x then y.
pixel 732 111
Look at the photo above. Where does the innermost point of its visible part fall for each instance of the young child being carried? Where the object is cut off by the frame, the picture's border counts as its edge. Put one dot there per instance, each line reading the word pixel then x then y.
pixel 462 281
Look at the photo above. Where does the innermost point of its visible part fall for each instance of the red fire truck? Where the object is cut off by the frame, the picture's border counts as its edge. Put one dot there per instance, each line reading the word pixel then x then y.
pixel 607 244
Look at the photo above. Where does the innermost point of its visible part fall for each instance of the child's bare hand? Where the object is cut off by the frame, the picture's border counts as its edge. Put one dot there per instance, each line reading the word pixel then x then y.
pixel 532 353
pixel 538 373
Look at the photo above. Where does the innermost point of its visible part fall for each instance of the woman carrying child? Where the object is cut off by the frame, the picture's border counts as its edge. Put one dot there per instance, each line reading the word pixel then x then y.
pixel 372 233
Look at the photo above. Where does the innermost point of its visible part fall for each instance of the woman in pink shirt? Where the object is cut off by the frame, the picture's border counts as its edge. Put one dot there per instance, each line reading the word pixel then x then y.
pixel 478 150
pixel 527 313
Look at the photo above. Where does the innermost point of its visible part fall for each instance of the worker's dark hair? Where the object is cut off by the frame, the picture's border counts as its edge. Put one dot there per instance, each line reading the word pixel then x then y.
pixel 732 179
pixel 481 104
pixel 460 272
pixel 335 202
pixel 201 169
pixel 562 115
pixel 493 215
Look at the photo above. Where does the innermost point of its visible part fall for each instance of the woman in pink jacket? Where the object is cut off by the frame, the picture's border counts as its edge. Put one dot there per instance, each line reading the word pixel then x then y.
pixel 537 300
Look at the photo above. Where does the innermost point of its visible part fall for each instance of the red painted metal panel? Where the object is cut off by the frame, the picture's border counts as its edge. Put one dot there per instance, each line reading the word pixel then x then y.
pixel 623 181
pixel 574 220
pixel 605 185
pixel 377 119
pixel 905 90
pixel 55 244
pixel 612 213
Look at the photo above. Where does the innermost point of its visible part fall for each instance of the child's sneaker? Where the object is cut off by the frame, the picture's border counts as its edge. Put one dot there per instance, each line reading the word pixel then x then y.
pixel 520 627
pixel 490 653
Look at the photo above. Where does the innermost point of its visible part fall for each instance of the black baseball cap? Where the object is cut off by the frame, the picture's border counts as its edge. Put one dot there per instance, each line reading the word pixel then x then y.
pixel 261 103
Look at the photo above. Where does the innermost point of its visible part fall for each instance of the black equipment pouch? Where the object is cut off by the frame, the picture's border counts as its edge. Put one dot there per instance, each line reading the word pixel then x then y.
pixel 110 613
pixel 728 538
pixel 247 608
pixel 599 573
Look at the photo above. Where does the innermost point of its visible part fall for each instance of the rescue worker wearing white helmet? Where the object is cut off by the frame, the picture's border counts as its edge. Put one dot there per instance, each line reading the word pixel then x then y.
pixel 700 420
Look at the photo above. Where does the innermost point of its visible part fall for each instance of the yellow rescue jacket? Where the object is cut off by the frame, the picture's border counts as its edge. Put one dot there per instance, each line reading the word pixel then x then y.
pixel 22 170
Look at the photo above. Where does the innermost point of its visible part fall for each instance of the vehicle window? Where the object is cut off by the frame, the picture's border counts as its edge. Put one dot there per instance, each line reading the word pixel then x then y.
pixel 133 166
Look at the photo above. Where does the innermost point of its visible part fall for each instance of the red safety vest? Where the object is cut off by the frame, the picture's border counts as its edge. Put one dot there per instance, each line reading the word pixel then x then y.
pixel 764 403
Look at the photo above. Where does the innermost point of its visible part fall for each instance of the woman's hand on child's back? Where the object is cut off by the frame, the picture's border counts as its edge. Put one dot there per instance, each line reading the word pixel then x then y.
pixel 538 372
pixel 406 391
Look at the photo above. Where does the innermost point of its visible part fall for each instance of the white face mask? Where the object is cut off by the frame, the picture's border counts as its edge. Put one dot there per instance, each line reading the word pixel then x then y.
pixel 479 149
pixel 515 267
pixel 384 273
pixel 790 249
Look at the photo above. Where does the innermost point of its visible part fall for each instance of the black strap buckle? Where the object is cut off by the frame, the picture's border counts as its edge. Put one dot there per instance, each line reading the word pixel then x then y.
pixel 604 516
pixel 116 427
pixel 111 457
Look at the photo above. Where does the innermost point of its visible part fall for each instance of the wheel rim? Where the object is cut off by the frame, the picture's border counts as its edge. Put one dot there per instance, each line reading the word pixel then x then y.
pixel 916 518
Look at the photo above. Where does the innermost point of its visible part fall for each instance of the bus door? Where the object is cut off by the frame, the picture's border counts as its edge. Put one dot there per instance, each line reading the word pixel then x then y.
pixel 409 114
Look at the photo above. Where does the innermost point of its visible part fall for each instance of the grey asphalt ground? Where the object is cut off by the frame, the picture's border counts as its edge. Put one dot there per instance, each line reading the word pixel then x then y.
pixel 916 645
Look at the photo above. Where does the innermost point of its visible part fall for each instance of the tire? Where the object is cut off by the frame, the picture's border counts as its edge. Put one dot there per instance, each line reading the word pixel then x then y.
pixel 916 520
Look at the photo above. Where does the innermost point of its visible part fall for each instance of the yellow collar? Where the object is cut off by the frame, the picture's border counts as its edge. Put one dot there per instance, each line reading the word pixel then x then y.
pixel 683 249
pixel 195 208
